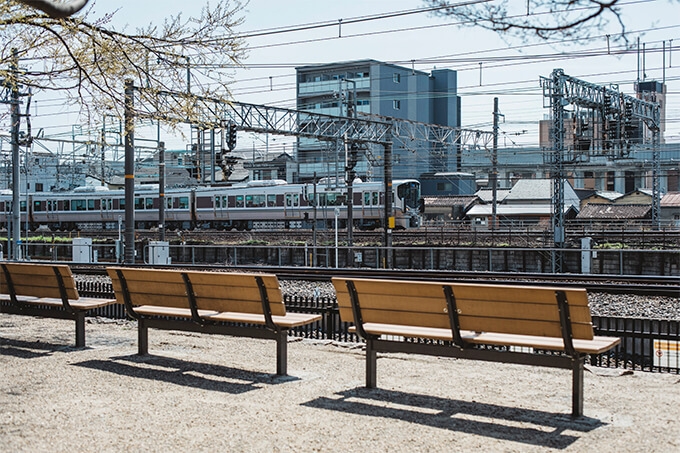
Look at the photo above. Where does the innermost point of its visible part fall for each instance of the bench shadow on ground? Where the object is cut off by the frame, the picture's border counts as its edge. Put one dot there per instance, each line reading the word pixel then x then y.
pixel 546 429
pixel 32 349
pixel 205 376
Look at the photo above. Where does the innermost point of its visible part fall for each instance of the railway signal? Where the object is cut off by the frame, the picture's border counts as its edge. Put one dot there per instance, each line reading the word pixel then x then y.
pixel 231 136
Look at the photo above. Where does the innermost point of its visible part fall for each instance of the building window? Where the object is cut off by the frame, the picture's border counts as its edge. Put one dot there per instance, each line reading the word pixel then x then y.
pixel 611 182
pixel 396 77
pixel 396 104
pixel 38 187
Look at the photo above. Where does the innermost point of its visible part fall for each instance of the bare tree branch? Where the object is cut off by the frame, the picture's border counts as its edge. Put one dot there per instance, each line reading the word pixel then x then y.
pixel 56 10
pixel 544 19
pixel 88 60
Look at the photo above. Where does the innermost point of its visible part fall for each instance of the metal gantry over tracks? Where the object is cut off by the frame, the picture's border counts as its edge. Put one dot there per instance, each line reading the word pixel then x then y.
pixel 218 113
pixel 612 107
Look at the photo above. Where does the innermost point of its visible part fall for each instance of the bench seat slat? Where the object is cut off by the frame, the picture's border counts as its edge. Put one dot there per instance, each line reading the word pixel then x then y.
pixel 595 346
pixel 287 321
pixel 38 280
pixel 476 323
pixel 497 309
pixel 216 291
pixel 83 303
pixel 199 278
pixel 509 293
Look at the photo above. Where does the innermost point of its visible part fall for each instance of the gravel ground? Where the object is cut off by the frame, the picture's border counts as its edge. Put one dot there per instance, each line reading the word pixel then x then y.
pixel 214 393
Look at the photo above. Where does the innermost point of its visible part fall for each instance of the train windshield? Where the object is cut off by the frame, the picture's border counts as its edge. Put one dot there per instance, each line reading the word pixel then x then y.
pixel 409 192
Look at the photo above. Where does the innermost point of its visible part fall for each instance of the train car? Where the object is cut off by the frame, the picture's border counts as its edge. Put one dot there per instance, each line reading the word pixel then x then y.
pixel 276 204
pixel 270 204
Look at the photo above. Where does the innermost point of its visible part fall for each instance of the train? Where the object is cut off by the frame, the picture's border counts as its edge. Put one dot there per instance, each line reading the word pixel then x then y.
pixel 255 205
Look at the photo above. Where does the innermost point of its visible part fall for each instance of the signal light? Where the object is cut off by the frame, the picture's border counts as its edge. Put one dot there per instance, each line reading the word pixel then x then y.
pixel 231 136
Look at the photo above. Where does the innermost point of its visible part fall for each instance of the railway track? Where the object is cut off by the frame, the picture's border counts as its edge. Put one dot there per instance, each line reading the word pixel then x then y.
pixel 428 235
pixel 612 284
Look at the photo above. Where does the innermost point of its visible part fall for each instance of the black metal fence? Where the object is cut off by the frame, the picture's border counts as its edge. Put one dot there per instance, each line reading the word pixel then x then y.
pixel 646 344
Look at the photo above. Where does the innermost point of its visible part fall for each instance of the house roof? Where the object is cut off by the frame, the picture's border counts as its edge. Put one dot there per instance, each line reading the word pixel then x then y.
pixel 648 192
pixel 486 195
pixel 615 211
pixel 585 193
pixel 442 201
pixel 515 209
pixel 671 199
pixel 608 194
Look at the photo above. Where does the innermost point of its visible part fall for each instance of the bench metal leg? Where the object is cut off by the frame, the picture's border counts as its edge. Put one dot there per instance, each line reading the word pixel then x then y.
pixel 577 386
pixel 282 353
pixel 371 362
pixel 142 338
pixel 80 329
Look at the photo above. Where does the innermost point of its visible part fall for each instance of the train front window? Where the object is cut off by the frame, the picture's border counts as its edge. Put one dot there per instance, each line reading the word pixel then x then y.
pixel 409 192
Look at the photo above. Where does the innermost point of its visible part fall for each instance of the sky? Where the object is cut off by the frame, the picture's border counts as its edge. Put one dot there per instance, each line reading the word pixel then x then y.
pixel 515 82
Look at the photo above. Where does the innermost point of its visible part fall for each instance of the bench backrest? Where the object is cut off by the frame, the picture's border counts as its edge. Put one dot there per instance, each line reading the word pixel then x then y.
pixel 523 310
pixel 219 291
pixel 38 280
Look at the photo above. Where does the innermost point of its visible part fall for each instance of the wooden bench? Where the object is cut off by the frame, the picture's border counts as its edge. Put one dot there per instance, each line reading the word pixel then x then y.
pixel 205 302
pixel 47 291
pixel 473 314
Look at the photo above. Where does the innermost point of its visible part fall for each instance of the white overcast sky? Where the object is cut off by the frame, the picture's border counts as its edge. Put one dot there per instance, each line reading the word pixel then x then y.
pixel 515 83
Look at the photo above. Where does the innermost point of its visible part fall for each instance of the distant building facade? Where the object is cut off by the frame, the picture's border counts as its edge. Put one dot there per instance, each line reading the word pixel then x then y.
pixel 380 89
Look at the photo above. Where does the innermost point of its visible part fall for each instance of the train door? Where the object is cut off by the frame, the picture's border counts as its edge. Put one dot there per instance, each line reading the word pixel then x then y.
pixel 106 208
pixel 371 204
pixel 292 205
pixel 220 207
pixel 51 210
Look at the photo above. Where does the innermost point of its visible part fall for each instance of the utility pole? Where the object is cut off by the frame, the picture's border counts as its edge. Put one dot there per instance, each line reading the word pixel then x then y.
pixel 314 205
pixel 389 220
pixel 129 256
pixel 494 169
pixel 16 187
pixel 557 103
pixel 103 146
pixel 161 191
pixel 351 157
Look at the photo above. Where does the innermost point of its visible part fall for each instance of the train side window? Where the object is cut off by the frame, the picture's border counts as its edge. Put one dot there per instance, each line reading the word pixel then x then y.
pixel 239 201
pixel 109 204
pixel 249 201
pixel 90 205
pixel 121 203
pixel 22 206
pixel 139 203
pixel 78 205
pixel 376 201
pixel 184 202
pixel 289 200
pixel 168 203
pixel 217 202
pixel 224 201
pixel 149 203
pixel 296 199
pixel 67 205
pixel 367 198
pixel 271 200
pixel 258 201
pixel 36 206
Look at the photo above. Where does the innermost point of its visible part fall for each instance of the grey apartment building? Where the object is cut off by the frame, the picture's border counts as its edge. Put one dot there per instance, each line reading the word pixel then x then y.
pixel 380 89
